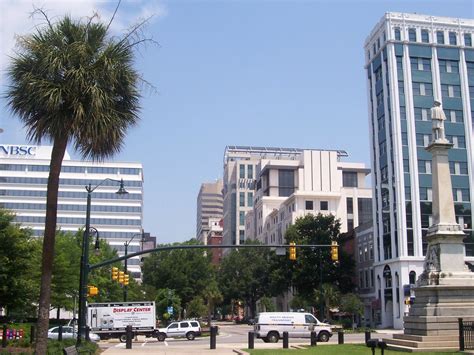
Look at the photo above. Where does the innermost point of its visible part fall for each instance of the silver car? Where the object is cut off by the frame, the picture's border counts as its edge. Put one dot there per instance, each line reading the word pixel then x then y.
pixel 69 333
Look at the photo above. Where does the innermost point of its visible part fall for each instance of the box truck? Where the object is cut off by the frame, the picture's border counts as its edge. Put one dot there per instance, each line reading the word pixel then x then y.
pixel 109 320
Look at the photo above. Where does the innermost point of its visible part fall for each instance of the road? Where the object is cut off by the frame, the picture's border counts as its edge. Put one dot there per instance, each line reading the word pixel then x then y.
pixel 230 336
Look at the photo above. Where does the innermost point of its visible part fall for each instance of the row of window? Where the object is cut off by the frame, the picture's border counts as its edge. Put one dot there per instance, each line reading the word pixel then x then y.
pixel 423 140
pixel 323 205
pixel 364 280
pixel 71 194
pixel 65 207
pixel 103 234
pixel 63 181
pixel 249 171
pixel 366 253
pixel 81 221
pixel 424 37
pixel 249 199
pixel 459 195
pixel 72 169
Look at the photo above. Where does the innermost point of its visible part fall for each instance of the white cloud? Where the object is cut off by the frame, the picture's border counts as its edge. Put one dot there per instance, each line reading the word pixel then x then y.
pixel 16 17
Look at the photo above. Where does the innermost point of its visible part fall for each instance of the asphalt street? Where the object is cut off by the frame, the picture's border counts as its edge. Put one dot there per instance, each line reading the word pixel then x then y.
pixel 231 338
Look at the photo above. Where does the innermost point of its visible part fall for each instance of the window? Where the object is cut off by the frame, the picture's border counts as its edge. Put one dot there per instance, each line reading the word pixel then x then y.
pixel 403 113
pixel 250 171
pixel 309 205
pixel 461 195
pixel 455 116
pixel 422 89
pixel 349 179
pixel 242 218
pixel 421 64
pixel 242 199
pixel 383 148
pixel 404 138
pixel 250 199
pixel 450 90
pixel 425 36
pixel 468 40
pixel 350 205
pixel 286 182
pixel 324 205
pixel 173 325
pixel 406 165
pixel 458 141
pixel 412 35
pixel 184 325
pixel 241 237
pixel 440 37
pixel 448 66
pixel 401 88
pixel 242 171
pixel 452 38
pixel 458 168
pixel 424 166
pixel 397 33
pixel 400 64
pixel 422 114
pixel 422 140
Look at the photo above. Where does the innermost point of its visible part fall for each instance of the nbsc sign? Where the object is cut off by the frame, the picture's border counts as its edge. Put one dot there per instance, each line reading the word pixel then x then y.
pixel 17 150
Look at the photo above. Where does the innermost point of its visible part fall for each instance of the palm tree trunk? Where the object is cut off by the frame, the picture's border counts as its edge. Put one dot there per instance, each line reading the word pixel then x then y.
pixel 57 155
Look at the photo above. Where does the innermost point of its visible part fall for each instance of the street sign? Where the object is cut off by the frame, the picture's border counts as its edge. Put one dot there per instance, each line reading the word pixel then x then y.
pixel 170 310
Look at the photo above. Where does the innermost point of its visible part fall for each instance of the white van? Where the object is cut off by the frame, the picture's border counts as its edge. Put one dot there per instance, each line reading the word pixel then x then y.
pixel 271 325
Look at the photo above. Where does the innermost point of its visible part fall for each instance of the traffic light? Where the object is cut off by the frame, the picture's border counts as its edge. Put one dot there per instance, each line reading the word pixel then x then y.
pixel 121 277
pixel 126 279
pixel 114 273
pixel 334 251
pixel 92 291
pixel 292 251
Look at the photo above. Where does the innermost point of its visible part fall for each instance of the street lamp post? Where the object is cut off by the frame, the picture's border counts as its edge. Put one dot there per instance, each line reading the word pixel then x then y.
pixel 126 244
pixel 84 268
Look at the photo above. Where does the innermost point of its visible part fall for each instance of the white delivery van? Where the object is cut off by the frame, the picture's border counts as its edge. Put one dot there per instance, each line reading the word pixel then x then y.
pixel 271 325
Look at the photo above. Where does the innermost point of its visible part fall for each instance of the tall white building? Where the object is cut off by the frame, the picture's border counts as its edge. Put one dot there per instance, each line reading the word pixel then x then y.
pixel 118 218
pixel 312 182
pixel 240 172
pixel 412 60
pixel 209 205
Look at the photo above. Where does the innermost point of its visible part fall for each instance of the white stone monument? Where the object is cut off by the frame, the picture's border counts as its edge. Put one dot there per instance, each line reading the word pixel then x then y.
pixel 445 289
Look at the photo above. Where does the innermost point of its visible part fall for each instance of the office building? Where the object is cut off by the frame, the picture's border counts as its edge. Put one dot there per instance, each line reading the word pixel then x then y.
pixel 412 60
pixel 312 182
pixel 240 173
pixel 209 205
pixel 24 172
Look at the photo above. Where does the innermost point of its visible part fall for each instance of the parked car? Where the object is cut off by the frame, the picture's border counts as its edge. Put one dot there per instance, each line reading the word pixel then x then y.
pixel 187 328
pixel 69 333
pixel 271 325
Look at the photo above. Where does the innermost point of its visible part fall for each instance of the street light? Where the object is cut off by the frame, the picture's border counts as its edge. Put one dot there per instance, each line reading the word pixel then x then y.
pixel 126 244
pixel 84 269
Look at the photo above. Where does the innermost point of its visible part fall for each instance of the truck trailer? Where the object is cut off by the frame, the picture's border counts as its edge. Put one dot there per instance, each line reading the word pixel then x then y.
pixel 109 320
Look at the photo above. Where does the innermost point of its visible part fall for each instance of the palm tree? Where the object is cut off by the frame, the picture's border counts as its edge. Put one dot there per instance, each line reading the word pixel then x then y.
pixel 328 296
pixel 71 83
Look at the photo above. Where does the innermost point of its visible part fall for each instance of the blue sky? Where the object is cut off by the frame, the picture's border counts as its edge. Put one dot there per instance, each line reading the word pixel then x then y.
pixel 265 73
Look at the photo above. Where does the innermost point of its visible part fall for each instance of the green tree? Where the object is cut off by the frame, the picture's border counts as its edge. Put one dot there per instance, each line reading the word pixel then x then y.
pixel 65 277
pixel 310 265
pixel 165 298
pixel 186 271
pixel 18 284
pixel 352 304
pixel 213 296
pixel 245 275
pixel 267 304
pixel 70 82
pixel 196 308
pixel 328 296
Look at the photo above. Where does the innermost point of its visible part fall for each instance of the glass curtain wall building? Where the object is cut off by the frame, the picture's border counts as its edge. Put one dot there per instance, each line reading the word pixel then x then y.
pixel 23 181
pixel 412 60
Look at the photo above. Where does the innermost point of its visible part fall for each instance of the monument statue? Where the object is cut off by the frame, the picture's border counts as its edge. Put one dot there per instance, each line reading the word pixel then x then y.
pixel 438 117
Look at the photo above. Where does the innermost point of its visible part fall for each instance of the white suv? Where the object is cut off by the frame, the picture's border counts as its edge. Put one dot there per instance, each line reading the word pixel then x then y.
pixel 188 328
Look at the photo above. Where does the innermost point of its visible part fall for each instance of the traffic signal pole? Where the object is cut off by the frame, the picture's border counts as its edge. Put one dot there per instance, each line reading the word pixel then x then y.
pixel 199 246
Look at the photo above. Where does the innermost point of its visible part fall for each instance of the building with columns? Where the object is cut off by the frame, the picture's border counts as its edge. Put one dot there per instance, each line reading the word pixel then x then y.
pixel 411 60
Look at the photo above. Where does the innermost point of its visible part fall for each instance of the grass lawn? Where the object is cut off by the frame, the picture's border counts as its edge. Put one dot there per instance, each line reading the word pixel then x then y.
pixel 335 350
